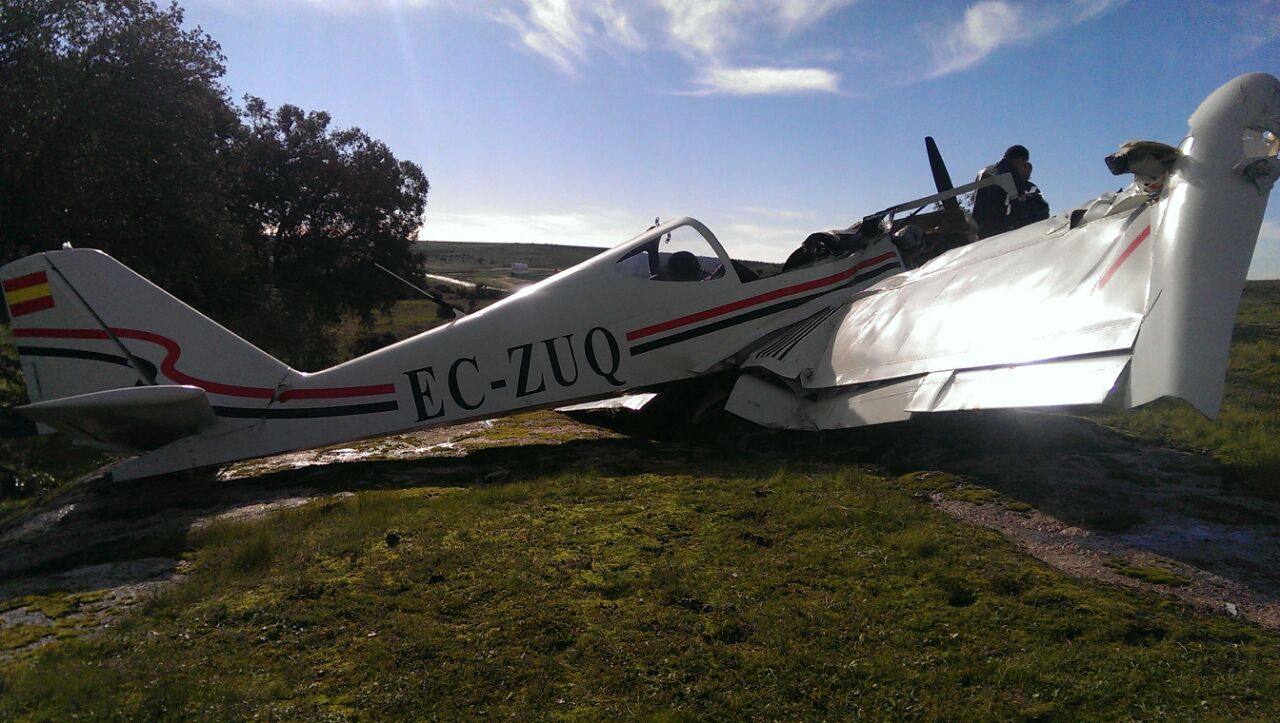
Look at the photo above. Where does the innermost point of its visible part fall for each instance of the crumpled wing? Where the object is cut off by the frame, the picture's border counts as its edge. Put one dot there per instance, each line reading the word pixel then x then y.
pixel 1135 304
pixel 1019 320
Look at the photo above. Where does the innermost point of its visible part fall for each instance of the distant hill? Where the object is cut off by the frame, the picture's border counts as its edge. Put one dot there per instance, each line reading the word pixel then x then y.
pixel 492 263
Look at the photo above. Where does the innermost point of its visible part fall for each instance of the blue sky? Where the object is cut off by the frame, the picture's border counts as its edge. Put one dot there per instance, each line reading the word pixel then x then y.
pixel 578 121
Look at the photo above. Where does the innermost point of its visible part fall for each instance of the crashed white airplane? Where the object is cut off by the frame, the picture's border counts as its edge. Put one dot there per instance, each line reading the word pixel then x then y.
pixel 1125 300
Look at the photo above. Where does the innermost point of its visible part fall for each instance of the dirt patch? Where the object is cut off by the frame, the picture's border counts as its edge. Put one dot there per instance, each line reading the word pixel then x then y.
pixel 39 610
pixel 1089 500
pixel 438 442
pixel 99 548
pixel 1114 559
pixel 1099 504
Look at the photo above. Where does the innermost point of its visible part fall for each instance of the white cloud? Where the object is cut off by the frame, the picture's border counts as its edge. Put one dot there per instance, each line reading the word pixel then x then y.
pixel 563 31
pixel 989 25
pixel 357 6
pixel 768 81
pixel 986 26
pixel 711 27
pixel 705 26
pixel 703 31
pixel 706 33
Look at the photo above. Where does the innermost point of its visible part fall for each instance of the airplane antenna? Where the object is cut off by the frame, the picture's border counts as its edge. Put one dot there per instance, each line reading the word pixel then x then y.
pixel 457 313
pixel 941 178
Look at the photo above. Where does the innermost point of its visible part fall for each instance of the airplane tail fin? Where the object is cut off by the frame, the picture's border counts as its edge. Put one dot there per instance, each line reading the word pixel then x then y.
pixel 1218 197
pixel 85 324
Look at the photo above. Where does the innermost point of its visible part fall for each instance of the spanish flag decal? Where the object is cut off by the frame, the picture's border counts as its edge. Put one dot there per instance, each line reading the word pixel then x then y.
pixel 28 294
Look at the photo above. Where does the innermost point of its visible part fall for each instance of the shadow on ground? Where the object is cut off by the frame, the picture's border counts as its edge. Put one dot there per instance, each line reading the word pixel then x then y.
pixel 1088 495
pixel 1085 498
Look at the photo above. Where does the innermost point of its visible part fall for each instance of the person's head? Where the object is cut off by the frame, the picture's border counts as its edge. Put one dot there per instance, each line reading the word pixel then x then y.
pixel 1018 158
pixel 683 266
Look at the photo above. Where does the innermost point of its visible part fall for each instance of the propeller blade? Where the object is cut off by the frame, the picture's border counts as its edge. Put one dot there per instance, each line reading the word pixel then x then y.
pixel 941 178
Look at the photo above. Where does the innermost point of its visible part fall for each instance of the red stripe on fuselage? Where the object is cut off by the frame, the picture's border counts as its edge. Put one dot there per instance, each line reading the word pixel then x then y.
pixel 755 300
pixel 338 392
pixel 1124 255
pixel 173 351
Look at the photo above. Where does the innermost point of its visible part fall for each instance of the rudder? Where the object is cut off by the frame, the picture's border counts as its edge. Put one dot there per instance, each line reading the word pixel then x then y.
pixel 83 322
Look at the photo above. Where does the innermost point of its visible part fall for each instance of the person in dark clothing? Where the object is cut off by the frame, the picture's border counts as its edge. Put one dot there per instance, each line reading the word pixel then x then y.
pixel 994 211
pixel 684 266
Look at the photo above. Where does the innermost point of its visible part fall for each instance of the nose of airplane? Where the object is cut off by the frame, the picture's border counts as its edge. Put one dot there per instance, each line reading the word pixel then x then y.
pixel 1205 239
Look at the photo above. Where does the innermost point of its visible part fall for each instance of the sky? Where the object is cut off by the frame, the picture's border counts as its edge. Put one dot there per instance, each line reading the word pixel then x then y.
pixel 580 121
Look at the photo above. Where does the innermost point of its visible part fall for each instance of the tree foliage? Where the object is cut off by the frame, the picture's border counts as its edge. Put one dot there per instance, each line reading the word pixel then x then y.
pixel 116 133
pixel 325 205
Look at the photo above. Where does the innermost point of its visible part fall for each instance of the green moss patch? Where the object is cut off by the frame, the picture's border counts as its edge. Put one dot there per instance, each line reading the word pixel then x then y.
pixel 1148 573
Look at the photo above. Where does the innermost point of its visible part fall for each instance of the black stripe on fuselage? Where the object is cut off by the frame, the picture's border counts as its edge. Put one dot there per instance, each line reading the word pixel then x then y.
pixel 52 351
pixel 759 313
pixel 305 413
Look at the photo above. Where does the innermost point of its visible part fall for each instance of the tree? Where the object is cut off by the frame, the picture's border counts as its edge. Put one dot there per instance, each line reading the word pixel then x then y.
pixel 325 206
pixel 116 133
pixel 113 129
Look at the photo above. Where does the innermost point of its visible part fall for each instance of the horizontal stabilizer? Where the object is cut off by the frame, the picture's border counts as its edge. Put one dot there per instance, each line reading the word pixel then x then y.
pixel 135 418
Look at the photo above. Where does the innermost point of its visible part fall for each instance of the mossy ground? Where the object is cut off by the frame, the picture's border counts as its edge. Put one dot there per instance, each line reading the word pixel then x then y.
pixel 813 590
pixel 1148 573
pixel 1247 435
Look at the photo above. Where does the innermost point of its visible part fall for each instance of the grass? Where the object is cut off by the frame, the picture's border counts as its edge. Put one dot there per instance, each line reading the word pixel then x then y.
pixel 1148 573
pixel 815 591
pixel 1246 437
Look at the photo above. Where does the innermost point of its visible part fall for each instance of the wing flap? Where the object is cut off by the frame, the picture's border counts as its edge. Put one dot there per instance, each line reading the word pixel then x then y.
pixel 1066 382
pixel 1062 382
pixel 772 405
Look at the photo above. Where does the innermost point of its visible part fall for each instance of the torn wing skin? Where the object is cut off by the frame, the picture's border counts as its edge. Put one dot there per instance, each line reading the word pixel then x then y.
pixel 1135 304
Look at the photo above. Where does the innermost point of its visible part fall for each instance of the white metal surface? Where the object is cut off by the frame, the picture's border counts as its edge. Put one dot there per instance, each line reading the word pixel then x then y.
pixel 1083 381
pixel 1206 239
pixel 1020 297
pixel 628 402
